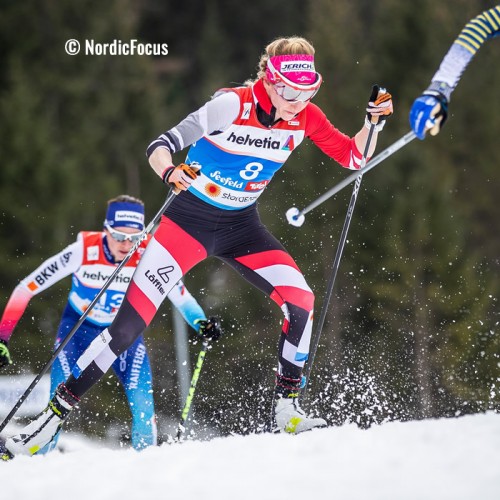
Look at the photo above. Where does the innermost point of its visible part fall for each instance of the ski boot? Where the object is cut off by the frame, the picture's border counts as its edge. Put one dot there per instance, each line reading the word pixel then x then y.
pixel 288 416
pixel 5 454
pixel 45 427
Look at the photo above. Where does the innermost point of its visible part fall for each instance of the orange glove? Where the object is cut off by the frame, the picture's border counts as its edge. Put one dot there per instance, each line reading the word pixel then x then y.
pixel 180 177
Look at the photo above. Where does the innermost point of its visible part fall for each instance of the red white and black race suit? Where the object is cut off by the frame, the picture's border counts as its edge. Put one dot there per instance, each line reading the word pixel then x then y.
pixel 239 146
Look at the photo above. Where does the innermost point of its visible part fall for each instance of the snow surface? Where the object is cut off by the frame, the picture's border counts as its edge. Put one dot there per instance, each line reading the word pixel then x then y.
pixel 455 458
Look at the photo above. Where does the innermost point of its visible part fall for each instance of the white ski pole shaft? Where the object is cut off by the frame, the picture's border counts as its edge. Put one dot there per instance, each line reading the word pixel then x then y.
pixel 383 155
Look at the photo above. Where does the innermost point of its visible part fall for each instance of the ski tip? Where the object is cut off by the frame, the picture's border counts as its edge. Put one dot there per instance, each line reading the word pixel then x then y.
pixel 5 454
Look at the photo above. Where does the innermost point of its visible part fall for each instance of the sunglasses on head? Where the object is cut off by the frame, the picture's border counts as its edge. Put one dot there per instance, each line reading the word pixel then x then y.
pixel 121 237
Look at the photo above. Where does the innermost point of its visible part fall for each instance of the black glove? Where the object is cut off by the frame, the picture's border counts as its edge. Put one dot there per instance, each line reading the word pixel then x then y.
pixel 4 354
pixel 379 108
pixel 209 329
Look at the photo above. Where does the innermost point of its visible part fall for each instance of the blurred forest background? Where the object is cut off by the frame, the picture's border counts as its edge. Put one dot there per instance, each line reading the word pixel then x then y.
pixel 412 328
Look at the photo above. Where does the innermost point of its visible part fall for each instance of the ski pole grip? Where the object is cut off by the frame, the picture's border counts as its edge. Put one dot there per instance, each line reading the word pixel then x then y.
pixel 379 95
pixel 190 170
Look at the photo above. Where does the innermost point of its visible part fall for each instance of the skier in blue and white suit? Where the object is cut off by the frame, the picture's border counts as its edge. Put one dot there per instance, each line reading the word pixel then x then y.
pixel 90 261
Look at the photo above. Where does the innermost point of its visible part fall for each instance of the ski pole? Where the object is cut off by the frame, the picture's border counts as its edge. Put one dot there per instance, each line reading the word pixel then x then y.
pixel 296 217
pixel 170 197
pixel 335 267
pixel 194 379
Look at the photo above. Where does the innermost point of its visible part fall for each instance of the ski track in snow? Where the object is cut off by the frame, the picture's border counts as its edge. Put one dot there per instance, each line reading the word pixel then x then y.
pixel 455 458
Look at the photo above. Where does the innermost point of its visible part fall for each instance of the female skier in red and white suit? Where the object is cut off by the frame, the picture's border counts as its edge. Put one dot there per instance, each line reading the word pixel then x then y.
pixel 238 140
